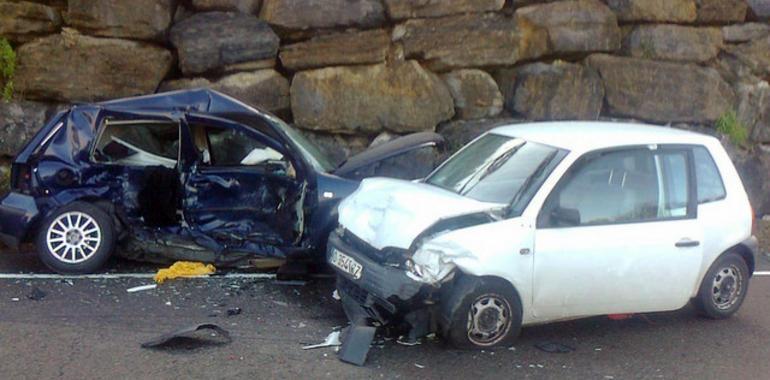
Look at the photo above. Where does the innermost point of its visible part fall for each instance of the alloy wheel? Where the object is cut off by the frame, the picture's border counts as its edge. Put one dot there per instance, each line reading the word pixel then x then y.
pixel 73 237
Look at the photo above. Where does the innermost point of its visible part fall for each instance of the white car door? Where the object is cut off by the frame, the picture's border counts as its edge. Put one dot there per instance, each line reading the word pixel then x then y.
pixel 618 234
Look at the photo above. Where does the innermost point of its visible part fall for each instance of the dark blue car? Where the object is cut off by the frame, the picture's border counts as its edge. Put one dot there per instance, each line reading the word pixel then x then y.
pixel 186 175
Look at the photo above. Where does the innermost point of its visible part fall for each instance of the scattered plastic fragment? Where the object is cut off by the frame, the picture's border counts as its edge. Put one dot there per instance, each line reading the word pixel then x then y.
pixel 141 288
pixel 332 340
pixel 356 344
pixel 185 338
pixel 336 295
pixel 233 311
pixel 36 294
pixel 184 269
pixel 419 365
pixel 554 348
pixel 15 299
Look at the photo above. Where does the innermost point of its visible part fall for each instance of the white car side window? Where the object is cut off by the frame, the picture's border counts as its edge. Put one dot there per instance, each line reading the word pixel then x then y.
pixel 615 187
pixel 673 180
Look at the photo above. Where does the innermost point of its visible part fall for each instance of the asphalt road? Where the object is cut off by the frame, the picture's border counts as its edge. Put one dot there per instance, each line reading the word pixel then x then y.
pixel 93 329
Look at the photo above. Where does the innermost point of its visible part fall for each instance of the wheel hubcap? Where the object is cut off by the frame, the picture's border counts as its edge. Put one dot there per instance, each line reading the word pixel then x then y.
pixel 727 287
pixel 73 237
pixel 489 320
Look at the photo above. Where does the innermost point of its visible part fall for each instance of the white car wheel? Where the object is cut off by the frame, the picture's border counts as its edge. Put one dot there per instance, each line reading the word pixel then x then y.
pixel 77 238
pixel 73 237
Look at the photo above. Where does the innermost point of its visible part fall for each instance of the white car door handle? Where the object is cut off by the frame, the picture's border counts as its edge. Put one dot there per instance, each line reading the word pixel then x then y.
pixel 686 243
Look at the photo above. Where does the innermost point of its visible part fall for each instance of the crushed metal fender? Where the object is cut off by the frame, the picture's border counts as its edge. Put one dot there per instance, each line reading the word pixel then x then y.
pixel 184 269
pixel 186 333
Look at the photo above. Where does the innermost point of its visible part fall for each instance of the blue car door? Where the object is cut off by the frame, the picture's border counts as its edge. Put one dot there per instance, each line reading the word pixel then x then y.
pixel 243 188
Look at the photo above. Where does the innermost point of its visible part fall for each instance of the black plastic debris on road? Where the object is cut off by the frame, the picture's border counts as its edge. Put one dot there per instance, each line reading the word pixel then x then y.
pixel 37 294
pixel 234 311
pixel 186 338
pixel 356 343
pixel 554 347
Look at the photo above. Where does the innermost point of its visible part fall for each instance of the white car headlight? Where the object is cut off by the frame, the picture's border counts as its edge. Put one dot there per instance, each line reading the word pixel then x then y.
pixel 428 266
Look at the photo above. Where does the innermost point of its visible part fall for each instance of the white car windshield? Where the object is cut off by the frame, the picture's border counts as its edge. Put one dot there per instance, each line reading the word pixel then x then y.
pixel 497 169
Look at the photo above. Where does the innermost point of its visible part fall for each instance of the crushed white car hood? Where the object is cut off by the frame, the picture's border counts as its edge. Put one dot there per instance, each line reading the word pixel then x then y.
pixel 392 213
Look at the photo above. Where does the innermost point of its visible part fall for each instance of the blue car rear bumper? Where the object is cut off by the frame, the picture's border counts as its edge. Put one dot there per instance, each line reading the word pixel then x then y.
pixel 17 214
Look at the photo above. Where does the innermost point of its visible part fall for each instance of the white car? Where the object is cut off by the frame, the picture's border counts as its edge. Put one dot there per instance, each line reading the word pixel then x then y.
pixel 542 222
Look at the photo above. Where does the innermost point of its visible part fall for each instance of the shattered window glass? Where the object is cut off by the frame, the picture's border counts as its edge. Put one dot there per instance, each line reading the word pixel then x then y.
pixel 138 144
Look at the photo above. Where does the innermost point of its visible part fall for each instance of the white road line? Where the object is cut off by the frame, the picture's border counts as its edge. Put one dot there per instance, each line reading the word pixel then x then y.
pixel 762 273
pixel 107 276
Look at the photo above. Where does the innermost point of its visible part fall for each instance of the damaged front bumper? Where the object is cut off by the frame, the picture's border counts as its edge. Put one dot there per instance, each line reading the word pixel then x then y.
pixel 381 294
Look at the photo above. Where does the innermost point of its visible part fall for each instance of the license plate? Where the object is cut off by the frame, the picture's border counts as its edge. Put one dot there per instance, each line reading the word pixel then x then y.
pixel 346 263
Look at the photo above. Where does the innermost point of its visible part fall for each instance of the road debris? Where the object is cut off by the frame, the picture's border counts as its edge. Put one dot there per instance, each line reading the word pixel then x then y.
pixel 332 340
pixel 336 295
pixel 37 294
pixel 15 299
pixel 114 276
pixel 185 337
pixel 184 269
pixel 234 311
pixel 554 347
pixel 356 344
pixel 420 366
pixel 141 288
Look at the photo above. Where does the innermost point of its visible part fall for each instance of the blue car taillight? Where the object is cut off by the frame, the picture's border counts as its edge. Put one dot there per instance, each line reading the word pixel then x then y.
pixel 21 178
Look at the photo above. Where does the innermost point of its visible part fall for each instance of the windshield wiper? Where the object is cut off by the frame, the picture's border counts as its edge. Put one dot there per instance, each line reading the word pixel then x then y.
pixel 535 174
pixel 490 168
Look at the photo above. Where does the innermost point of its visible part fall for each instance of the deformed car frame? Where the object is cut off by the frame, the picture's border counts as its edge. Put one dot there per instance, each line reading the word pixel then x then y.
pixel 191 174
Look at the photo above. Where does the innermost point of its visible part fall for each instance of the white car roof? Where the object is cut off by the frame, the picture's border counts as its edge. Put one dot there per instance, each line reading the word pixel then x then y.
pixel 583 136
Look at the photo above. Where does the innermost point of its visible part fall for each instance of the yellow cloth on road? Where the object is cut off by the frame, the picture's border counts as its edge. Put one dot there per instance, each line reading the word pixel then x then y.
pixel 184 269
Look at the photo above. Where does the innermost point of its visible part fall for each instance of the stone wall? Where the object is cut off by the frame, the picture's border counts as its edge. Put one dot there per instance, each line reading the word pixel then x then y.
pixel 348 71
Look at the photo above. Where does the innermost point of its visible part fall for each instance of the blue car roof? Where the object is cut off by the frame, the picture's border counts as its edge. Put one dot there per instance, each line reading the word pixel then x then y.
pixel 198 100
